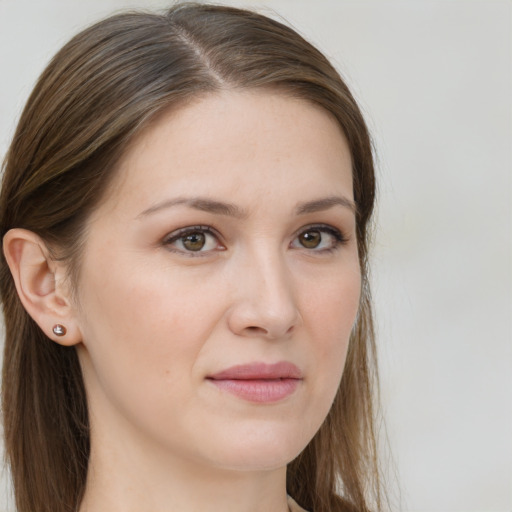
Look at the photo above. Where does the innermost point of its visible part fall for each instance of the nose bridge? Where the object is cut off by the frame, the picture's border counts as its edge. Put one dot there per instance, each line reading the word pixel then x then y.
pixel 273 279
pixel 266 300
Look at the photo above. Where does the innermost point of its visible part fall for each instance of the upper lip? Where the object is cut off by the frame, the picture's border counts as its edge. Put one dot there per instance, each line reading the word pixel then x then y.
pixel 259 371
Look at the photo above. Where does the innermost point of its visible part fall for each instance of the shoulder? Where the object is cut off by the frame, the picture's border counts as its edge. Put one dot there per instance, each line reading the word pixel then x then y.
pixel 292 505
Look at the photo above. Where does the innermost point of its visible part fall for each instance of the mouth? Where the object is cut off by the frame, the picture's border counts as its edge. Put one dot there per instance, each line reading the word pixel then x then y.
pixel 259 382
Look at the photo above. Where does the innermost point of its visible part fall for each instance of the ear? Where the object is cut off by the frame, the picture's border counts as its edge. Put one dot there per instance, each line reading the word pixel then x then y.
pixel 41 285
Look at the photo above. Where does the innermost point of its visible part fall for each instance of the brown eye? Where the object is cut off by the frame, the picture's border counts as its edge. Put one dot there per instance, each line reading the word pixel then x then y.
pixel 310 239
pixel 319 239
pixel 194 241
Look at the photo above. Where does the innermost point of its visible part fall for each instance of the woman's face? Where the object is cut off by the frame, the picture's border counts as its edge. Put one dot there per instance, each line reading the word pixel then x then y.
pixel 220 283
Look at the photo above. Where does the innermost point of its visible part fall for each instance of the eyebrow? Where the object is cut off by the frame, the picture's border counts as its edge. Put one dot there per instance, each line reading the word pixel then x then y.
pixel 232 210
pixel 319 205
pixel 198 203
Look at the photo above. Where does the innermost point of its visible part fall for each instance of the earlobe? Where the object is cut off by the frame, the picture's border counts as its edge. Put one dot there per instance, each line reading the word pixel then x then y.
pixel 39 283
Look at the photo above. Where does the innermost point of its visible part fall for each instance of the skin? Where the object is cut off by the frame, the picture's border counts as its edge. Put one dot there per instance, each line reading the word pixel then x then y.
pixel 154 319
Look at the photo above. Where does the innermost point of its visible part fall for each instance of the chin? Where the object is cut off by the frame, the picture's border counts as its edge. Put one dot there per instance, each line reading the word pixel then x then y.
pixel 263 448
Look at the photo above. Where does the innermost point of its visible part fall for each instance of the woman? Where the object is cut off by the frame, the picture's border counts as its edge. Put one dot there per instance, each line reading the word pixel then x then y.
pixel 185 212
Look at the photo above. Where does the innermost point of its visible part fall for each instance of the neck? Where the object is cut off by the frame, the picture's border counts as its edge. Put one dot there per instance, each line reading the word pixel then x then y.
pixel 133 480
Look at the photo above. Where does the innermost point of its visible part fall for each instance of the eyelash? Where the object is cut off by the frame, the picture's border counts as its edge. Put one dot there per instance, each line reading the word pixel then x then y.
pixel 339 239
pixel 182 233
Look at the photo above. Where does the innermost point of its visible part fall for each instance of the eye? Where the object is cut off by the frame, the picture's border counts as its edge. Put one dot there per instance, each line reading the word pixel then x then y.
pixel 196 239
pixel 319 239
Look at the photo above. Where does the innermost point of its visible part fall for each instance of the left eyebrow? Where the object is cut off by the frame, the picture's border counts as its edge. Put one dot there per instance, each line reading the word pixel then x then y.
pixel 325 203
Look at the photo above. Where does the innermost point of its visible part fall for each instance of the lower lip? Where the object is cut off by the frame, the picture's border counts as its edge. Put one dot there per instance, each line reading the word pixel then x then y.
pixel 256 390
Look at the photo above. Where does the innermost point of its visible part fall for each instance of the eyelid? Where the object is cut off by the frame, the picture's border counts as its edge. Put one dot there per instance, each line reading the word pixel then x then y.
pixel 169 239
pixel 339 235
pixel 175 235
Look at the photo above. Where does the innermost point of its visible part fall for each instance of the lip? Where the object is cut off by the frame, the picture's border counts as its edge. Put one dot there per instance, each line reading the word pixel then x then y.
pixel 259 382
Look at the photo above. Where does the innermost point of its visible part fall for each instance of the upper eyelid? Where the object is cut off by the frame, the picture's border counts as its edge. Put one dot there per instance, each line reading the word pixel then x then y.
pixel 338 236
pixel 176 234
pixel 322 227
pixel 210 229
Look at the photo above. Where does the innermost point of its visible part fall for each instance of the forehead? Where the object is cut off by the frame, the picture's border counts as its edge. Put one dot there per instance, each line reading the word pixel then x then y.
pixel 243 144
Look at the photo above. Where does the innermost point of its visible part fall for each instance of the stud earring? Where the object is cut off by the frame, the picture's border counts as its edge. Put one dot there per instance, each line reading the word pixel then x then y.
pixel 59 330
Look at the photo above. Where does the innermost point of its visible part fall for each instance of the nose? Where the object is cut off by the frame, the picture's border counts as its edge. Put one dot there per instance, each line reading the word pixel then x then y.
pixel 264 302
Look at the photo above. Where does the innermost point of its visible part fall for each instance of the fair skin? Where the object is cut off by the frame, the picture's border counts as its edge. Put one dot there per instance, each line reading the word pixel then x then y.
pixel 227 238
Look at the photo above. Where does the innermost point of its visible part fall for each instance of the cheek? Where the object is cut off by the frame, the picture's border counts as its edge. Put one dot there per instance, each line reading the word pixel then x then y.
pixel 331 314
pixel 332 307
pixel 146 327
pixel 142 343
pixel 154 301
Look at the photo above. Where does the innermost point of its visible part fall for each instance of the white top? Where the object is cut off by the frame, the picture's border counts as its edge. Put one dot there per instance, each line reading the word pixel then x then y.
pixel 293 506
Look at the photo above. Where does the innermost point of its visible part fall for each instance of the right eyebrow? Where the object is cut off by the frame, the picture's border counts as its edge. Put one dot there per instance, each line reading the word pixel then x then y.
pixel 203 204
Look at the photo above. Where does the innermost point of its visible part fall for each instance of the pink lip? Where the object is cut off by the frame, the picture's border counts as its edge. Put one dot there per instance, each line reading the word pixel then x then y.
pixel 259 382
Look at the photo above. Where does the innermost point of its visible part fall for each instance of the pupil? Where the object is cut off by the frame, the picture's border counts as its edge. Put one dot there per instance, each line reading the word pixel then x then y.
pixel 311 239
pixel 194 241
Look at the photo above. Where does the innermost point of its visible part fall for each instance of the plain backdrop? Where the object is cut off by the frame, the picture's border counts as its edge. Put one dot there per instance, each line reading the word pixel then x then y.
pixel 434 79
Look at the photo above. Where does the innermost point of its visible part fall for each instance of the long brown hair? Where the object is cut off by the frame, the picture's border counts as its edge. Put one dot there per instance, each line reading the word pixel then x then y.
pixel 98 92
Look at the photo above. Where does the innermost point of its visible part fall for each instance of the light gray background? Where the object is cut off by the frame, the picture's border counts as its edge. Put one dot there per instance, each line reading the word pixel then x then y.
pixel 435 81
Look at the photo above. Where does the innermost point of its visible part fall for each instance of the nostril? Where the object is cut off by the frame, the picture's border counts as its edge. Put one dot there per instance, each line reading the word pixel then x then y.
pixel 256 330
